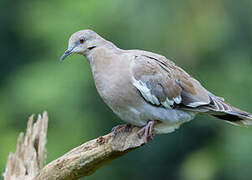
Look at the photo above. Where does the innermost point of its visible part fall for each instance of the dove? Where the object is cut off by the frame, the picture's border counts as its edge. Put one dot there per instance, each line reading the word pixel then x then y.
pixel 146 89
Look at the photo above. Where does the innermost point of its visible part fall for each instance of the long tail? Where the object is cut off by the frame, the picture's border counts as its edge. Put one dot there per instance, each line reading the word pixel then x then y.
pixel 220 109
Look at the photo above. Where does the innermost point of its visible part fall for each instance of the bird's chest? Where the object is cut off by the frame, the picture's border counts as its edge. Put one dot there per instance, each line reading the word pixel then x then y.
pixel 113 82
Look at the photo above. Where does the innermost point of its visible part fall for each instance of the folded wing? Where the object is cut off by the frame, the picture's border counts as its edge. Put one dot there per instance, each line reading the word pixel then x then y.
pixel 162 83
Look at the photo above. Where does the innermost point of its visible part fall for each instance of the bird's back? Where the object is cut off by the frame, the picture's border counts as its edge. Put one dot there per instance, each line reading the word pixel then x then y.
pixel 169 83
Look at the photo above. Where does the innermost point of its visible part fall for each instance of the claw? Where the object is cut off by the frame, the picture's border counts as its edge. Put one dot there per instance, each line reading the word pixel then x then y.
pixel 120 127
pixel 147 131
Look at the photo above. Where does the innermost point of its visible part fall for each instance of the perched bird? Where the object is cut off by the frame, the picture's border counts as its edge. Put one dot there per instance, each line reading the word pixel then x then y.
pixel 147 89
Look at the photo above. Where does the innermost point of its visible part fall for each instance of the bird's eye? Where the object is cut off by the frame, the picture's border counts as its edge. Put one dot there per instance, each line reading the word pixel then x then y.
pixel 82 40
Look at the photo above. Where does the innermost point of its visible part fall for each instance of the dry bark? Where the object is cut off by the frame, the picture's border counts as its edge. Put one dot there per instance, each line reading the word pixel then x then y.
pixel 30 155
pixel 27 163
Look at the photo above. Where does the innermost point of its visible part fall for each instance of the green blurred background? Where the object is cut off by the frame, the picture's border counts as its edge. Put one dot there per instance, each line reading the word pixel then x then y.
pixel 212 40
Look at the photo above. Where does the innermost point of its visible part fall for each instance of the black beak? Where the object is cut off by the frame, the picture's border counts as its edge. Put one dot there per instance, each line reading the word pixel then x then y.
pixel 66 53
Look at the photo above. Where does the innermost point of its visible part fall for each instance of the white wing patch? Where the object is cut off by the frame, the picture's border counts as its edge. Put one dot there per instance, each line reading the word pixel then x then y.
pixel 167 103
pixel 196 104
pixel 177 99
pixel 146 93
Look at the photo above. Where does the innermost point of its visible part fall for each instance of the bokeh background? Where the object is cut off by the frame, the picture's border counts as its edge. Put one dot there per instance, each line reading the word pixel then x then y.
pixel 212 40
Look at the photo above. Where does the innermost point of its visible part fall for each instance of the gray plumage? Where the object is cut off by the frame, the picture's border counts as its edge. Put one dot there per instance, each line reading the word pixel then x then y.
pixel 141 86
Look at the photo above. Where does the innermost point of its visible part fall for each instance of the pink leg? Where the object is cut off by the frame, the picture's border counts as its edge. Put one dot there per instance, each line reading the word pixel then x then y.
pixel 147 130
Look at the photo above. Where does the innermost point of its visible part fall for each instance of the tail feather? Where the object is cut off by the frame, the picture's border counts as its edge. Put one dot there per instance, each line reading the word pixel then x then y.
pixel 235 118
pixel 220 109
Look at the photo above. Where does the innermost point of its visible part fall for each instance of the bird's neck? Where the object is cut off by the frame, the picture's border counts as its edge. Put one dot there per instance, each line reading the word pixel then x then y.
pixel 102 54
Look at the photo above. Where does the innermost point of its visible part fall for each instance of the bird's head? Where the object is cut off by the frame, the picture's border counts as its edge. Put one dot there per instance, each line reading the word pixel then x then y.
pixel 82 42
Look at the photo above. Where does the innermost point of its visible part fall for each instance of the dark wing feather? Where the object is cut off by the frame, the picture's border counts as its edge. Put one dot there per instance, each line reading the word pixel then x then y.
pixel 167 82
pixel 163 83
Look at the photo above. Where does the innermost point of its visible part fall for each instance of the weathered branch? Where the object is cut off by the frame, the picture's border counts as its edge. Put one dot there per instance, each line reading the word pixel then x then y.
pixel 30 155
pixel 86 159
pixel 81 161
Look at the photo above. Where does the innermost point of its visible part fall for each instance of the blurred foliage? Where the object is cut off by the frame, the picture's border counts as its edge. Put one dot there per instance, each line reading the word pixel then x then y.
pixel 210 39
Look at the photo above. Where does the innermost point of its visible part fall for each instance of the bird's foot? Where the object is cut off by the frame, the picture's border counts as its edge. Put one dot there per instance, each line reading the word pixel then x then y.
pixel 147 131
pixel 120 128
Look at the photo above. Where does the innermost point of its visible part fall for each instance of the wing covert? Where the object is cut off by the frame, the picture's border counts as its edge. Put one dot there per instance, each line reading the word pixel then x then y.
pixel 162 83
